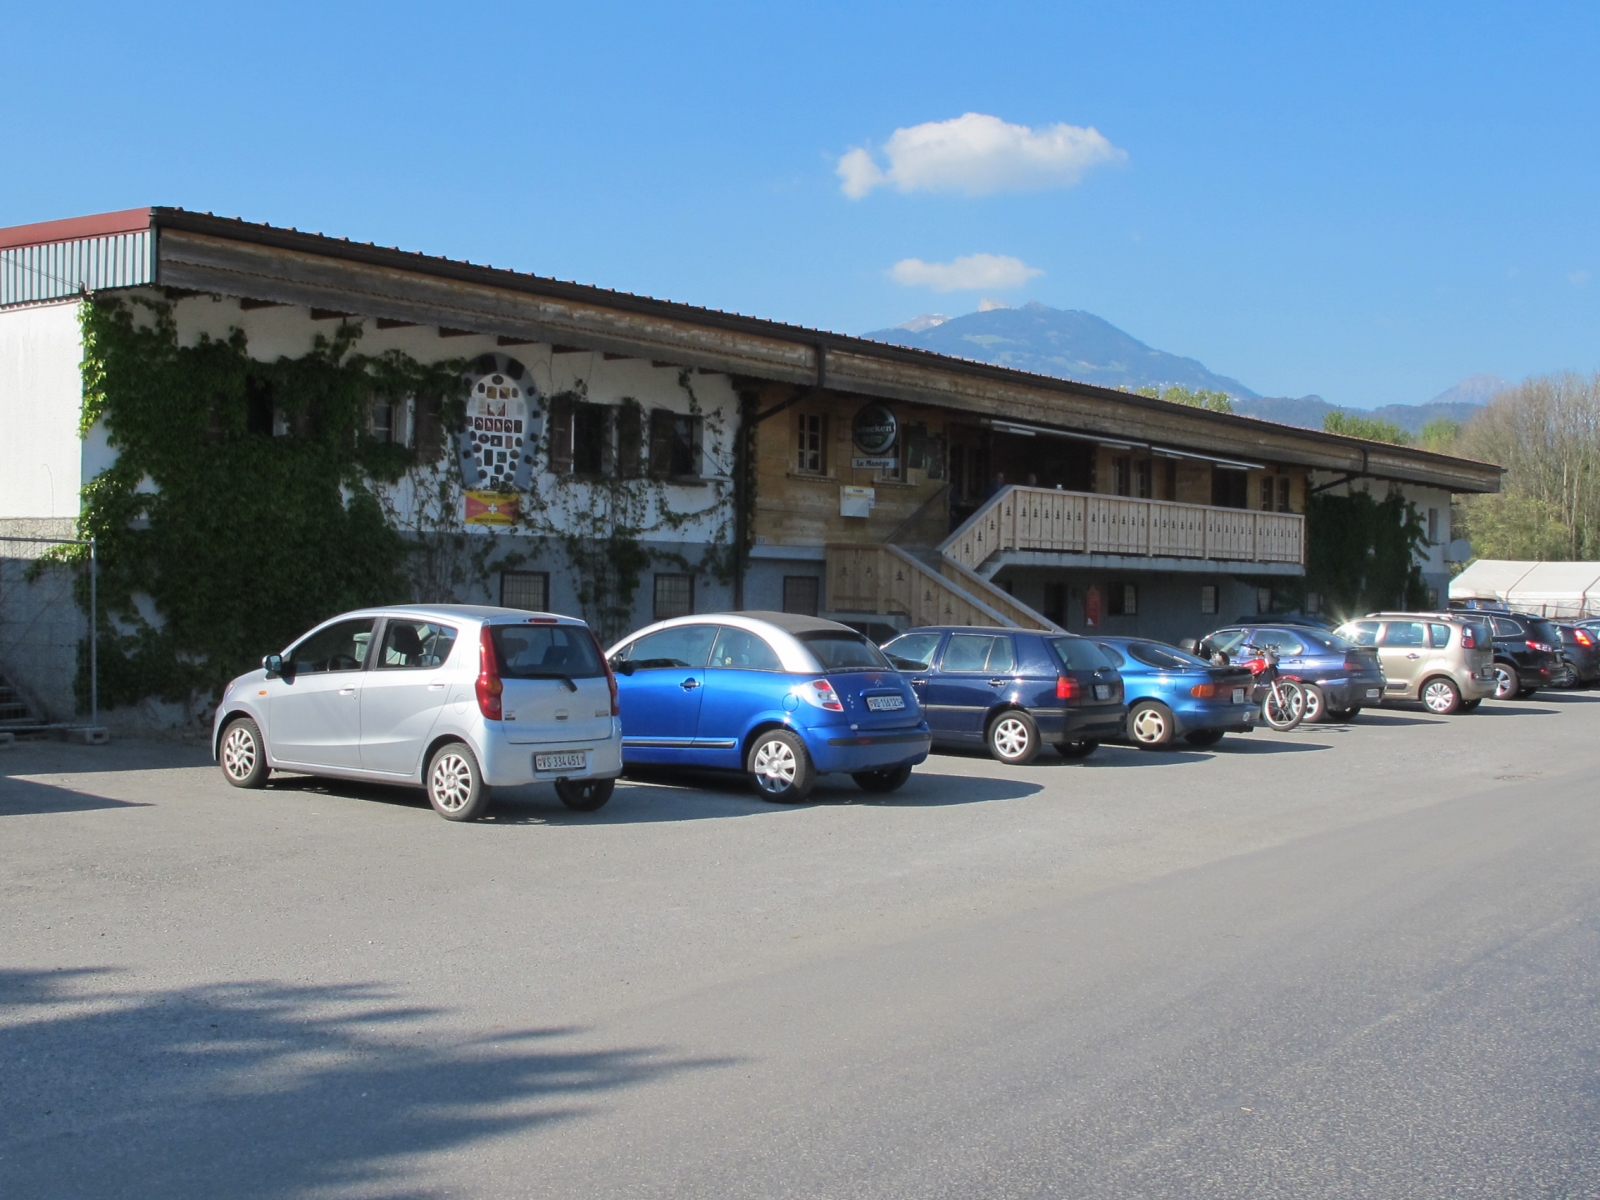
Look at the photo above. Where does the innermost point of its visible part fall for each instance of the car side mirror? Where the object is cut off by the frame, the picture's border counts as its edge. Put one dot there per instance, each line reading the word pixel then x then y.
pixel 625 667
pixel 272 664
pixel 1189 645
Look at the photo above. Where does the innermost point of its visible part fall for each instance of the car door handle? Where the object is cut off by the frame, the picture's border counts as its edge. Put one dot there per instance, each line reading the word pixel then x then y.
pixel 1413 654
pixel 349 691
pixel 998 682
pixel 918 682
pixel 436 687
pixel 689 685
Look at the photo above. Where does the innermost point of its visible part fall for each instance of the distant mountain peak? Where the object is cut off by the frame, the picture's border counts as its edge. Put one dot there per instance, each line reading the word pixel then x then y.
pixel 1474 389
pixel 1061 342
pixel 925 321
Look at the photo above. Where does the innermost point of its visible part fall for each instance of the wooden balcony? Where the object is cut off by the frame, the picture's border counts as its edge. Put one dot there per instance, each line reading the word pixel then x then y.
pixel 1068 523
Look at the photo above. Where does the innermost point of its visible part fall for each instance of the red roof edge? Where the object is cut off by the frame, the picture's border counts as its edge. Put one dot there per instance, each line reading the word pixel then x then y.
pixel 129 220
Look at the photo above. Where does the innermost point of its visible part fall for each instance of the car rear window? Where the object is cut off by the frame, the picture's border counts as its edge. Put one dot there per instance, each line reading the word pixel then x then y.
pixel 839 650
pixel 1079 654
pixel 1167 658
pixel 1545 631
pixel 545 651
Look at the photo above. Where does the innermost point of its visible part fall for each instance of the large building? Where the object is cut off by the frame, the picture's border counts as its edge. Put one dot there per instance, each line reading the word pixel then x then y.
pixel 625 458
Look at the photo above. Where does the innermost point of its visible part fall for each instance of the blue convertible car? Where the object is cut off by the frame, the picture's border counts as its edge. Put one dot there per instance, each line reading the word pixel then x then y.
pixel 779 696
pixel 1172 694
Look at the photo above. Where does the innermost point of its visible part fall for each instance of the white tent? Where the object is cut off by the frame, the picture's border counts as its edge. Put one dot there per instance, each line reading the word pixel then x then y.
pixel 1551 589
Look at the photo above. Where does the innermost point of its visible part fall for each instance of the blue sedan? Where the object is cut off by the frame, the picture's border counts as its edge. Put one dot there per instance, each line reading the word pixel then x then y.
pixel 782 697
pixel 1171 694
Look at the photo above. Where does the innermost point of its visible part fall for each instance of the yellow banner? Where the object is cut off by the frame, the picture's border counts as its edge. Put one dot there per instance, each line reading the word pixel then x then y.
pixel 491 508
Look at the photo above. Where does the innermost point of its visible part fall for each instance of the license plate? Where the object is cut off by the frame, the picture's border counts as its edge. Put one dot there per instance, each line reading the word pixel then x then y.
pixel 560 762
pixel 1373 693
pixel 885 703
pixel 1238 695
pixel 1102 691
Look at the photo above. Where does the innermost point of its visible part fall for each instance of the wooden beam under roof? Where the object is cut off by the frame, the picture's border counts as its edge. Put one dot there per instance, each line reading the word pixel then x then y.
pixel 330 314
pixel 446 331
pixel 247 304
pixel 391 323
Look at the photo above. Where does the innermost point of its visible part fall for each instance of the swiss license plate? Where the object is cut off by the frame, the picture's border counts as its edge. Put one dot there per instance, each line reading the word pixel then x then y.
pixel 560 762
pixel 1238 695
pixel 1373 693
pixel 1102 691
pixel 885 703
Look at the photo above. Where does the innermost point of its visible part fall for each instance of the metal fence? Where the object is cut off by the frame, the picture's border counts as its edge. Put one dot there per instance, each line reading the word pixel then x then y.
pixel 41 624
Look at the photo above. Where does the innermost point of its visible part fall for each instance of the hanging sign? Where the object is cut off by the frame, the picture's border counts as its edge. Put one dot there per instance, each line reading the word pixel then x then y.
pixel 874 430
pixel 1091 608
pixel 502 427
pixel 491 508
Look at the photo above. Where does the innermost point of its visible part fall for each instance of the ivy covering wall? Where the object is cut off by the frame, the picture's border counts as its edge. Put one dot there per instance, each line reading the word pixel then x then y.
pixel 248 502
pixel 1362 553
pixel 232 538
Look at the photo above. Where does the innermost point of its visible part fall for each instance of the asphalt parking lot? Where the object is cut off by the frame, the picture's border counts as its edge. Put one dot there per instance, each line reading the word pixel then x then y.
pixel 1353 960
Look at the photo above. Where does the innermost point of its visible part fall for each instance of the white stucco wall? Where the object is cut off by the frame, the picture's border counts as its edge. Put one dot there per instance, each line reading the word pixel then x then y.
pixel 41 394
pixel 1432 561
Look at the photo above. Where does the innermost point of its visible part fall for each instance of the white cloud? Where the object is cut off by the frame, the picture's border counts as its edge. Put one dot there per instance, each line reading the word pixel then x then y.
pixel 989 305
pixel 1579 278
pixel 978 155
pixel 970 272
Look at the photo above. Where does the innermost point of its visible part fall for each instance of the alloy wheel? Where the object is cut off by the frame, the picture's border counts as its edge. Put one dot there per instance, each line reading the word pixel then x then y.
pixel 451 782
pixel 774 767
pixel 239 753
pixel 1505 684
pixel 1010 737
pixel 1149 726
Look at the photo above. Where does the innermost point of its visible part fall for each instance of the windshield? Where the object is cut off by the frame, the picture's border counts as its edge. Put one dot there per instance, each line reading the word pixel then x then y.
pixel 545 651
pixel 1079 654
pixel 843 650
pixel 1167 658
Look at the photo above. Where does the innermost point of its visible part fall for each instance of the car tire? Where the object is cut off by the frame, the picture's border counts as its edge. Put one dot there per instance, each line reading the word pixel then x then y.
pixel 454 783
pixel 1316 703
pixel 1506 682
pixel 1525 693
pixel 1344 715
pixel 1440 696
pixel 242 754
pixel 585 795
pixel 1081 748
pixel 780 767
pixel 1151 725
pixel 889 779
pixel 1471 705
pixel 1013 738
pixel 1204 737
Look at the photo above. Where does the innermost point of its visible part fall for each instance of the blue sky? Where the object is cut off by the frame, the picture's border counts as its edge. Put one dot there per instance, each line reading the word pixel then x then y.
pixel 1368 202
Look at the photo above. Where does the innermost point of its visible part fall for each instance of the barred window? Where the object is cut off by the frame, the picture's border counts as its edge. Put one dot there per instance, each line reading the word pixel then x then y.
pixel 528 590
pixel 674 596
pixel 802 594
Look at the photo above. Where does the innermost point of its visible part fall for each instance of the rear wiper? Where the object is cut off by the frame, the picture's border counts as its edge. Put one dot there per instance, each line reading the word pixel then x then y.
pixel 566 679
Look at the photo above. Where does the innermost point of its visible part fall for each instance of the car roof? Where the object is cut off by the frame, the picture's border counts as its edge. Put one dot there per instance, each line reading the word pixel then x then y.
pixel 788 622
pixel 477 612
pixel 982 629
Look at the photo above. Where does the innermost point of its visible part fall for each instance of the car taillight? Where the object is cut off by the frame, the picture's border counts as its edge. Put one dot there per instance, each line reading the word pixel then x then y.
pixel 1539 646
pixel 1582 638
pixel 1468 642
pixel 1354 662
pixel 489 685
pixel 611 676
pixel 1203 691
pixel 1067 688
pixel 819 693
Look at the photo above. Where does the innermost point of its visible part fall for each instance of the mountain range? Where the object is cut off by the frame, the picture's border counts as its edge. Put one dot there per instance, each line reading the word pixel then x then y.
pixel 1081 346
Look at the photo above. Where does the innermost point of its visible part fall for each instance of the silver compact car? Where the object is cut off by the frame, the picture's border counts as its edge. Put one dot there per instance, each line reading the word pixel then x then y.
pixel 453 698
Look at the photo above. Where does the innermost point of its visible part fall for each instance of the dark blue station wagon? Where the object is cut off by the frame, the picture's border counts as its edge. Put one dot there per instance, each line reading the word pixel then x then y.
pixel 1011 690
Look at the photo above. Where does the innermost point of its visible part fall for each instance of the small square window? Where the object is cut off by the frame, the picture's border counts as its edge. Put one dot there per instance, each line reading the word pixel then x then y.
pixel 1208 599
pixel 529 590
pixel 674 596
pixel 802 594
pixel 674 444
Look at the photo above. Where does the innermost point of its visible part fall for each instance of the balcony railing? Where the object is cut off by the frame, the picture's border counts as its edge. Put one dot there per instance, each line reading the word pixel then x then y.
pixel 1042 519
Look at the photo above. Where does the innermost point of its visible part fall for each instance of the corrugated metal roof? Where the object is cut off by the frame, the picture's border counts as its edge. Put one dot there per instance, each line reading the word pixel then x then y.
pixel 58 270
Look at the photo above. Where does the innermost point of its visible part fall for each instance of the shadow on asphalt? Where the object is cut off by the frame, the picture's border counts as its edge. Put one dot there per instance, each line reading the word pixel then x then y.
pixel 29 797
pixel 1503 708
pixel 268 1089
pixel 1389 717
pixel 1274 744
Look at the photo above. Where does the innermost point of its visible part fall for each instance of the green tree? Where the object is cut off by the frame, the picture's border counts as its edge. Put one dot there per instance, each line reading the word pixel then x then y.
pixel 1361 552
pixel 1373 429
pixel 1214 401
pixel 1440 435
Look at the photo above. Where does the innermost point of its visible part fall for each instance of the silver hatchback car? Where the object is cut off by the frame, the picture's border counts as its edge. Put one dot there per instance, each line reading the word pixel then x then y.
pixel 454 698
